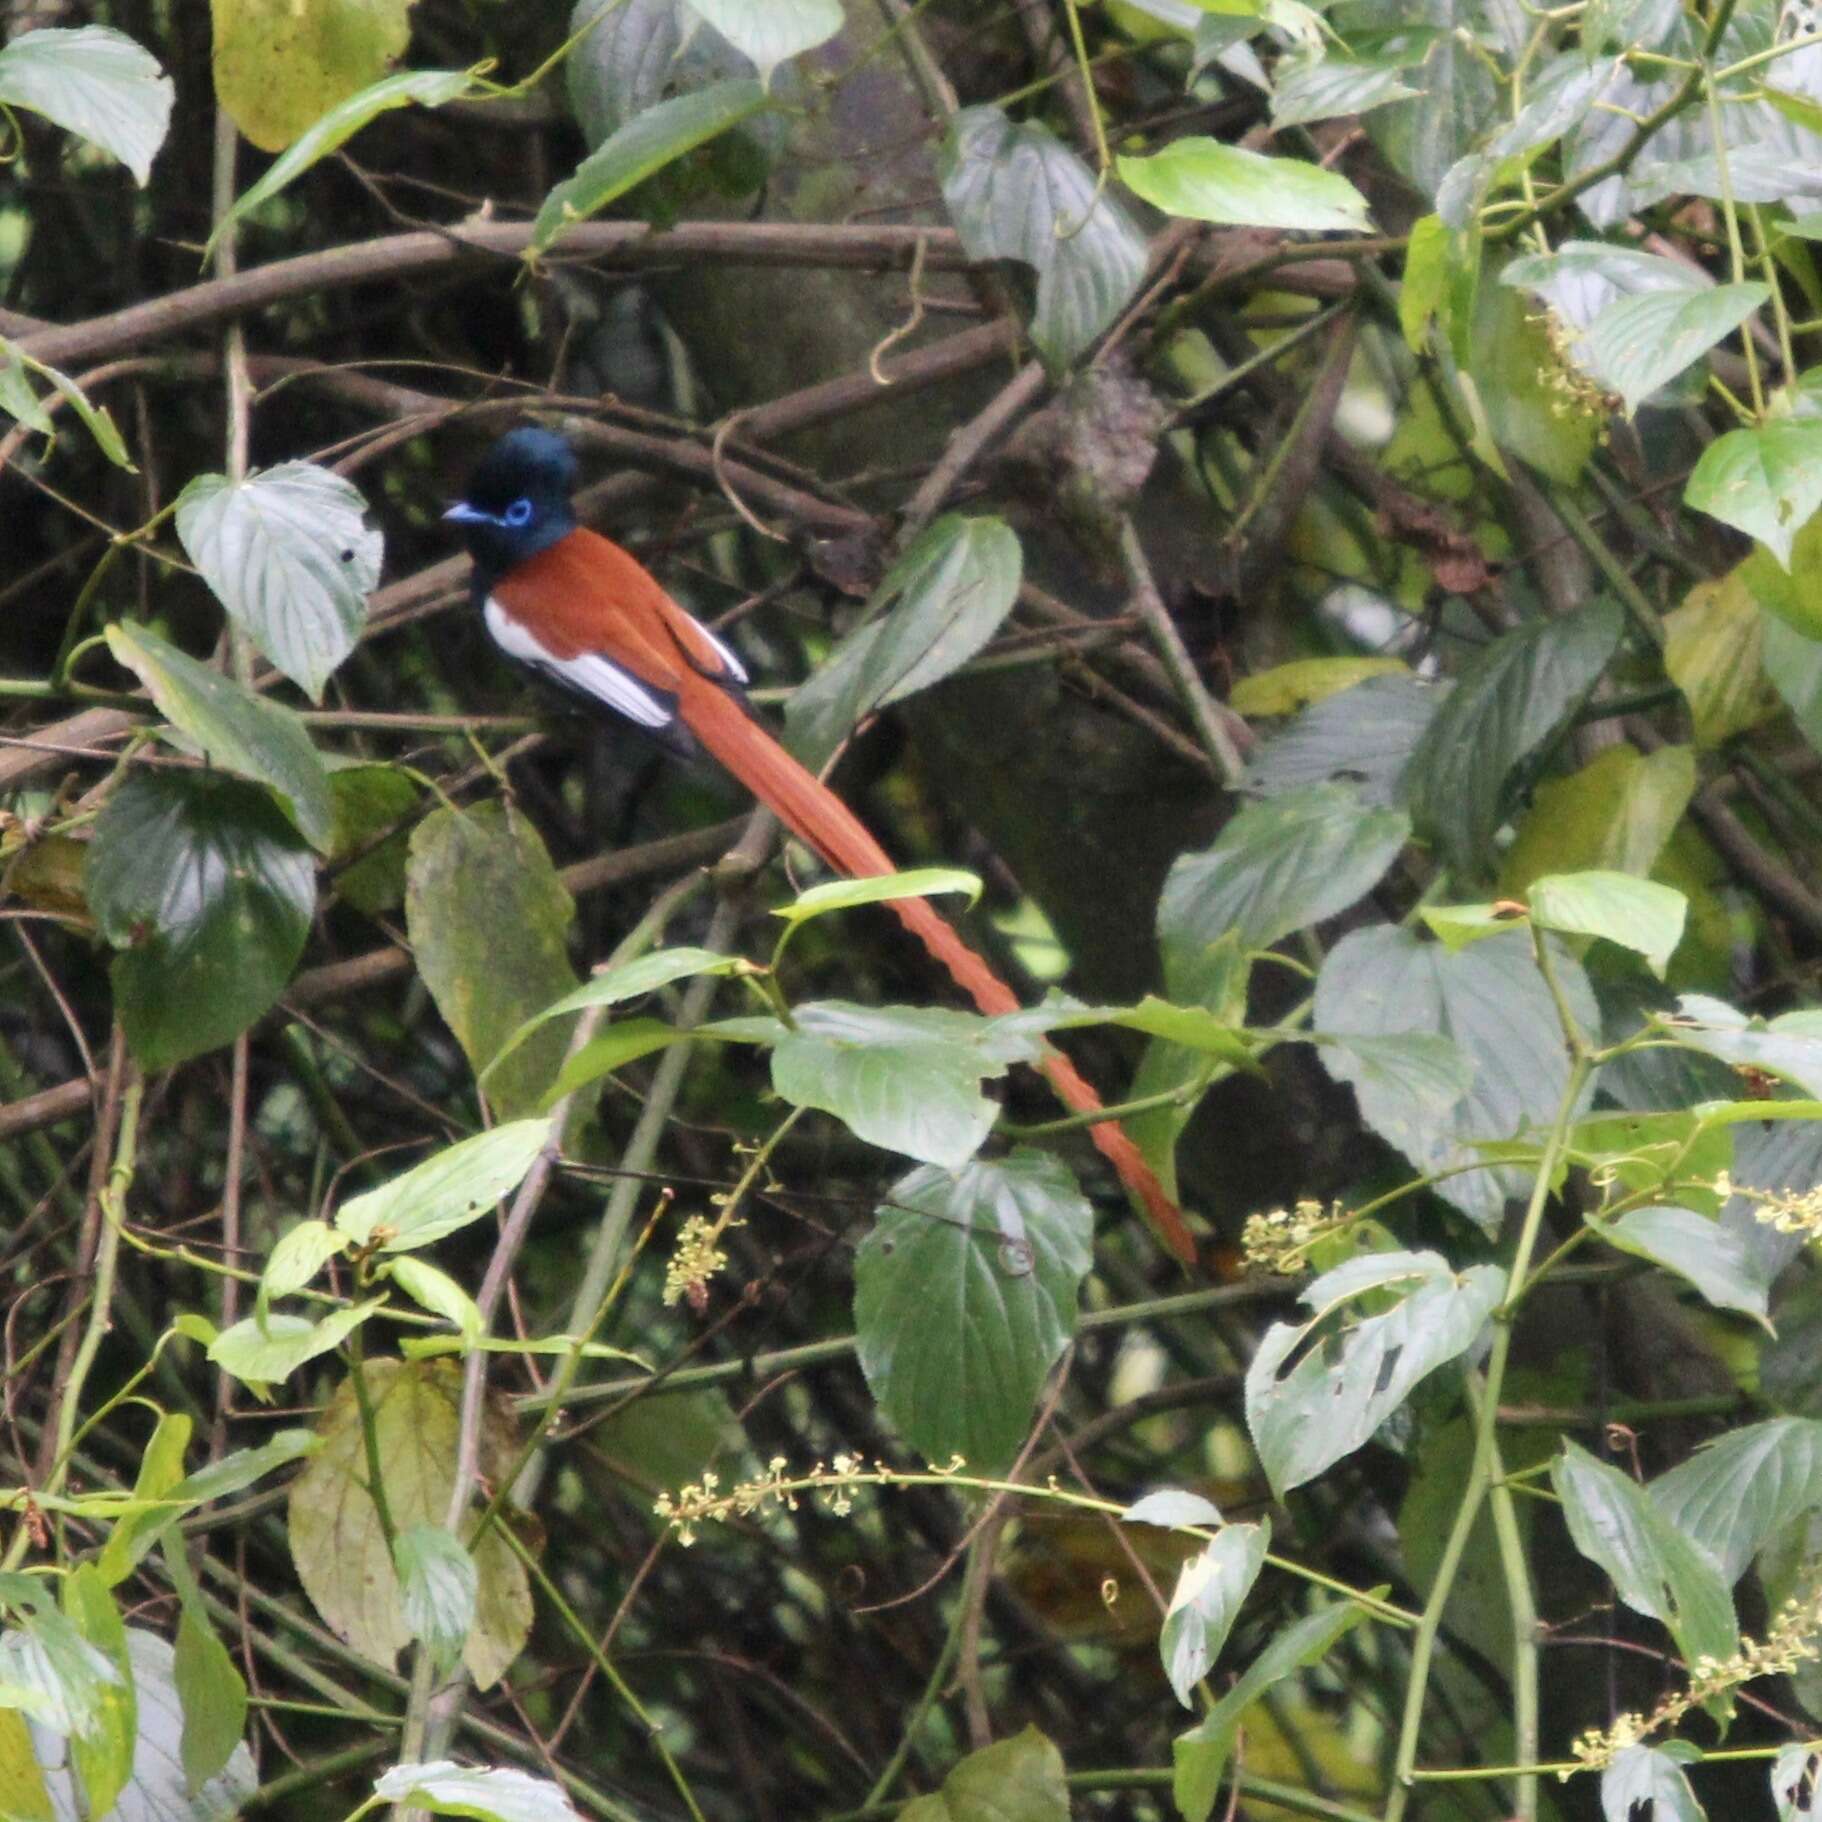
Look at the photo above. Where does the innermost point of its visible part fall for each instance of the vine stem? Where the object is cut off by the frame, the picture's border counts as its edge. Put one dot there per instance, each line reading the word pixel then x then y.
pixel 1485 1468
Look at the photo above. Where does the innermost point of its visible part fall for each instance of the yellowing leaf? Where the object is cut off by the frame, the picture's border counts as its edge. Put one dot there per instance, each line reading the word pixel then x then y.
pixel 1713 653
pixel 282 64
pixel 1288 687
pixel 1617 813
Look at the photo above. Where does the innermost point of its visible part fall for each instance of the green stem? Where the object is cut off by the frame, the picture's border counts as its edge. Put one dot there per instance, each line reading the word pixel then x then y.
pixel 1522 1605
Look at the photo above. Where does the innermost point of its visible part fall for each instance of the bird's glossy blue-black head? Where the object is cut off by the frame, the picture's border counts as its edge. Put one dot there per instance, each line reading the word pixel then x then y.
pixel 517 500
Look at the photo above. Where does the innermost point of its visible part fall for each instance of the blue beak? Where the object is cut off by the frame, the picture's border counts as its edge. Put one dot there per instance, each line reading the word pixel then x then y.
pixel 464 514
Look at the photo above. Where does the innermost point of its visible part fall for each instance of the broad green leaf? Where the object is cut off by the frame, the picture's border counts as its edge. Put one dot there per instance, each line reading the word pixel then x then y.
pixel 845 894
pixel 61 1680
pixel 1209 1592
pixel 446 1192
pixel 280 65
pixel 1285 688
pixel 1646 1781
pixel 290 556
pixel 619 1045
pixel 1422 1071
pixel 1787 1046
pixel 1364 736
pixel 1765 481
pixel 964 1295
pixel 1016 1780
pixel 489 924
pixel 629 981
pixel 1017 192
pixel 1793 661
pixel 496 1793
pixel 1735 1492
pixel 898 1080
pixel 238 730
pixel 261 1356
pixel 1508 701
pixel 96 83
pixel 302 1252
pixel 339 1546
pixel 208 891
pixel 641 148
pixel 103 1755
pixel 1335 1395
pixel 213 1695
pixel 1424 291
pixel 1172 1509
pixel 1457 98
pixel 1617 812
pixel 1201 1755
pixel 422 88
pixel 937 606
pixel 1791 591
pixel 1336 85
pixel 1280 865
pixel 370 800
pixel 1517 372
pixel 1638 914
pixel 1713 647
pixel 438 1589
pixel 160 1469
pixel 1456 926
pixel 1655 1569
pixel 439 1293
pixel 1490 1001
pixel 1697 1248
pixel 629 54
pixel 157 1791
pixel 1208 181
pixel 772 32
pixel 21 1776
pixel 19 400
pixel 1638 344
pixel 1795 1776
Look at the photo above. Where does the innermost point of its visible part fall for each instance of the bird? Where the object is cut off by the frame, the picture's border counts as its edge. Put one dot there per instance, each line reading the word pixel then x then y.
pixel 574 608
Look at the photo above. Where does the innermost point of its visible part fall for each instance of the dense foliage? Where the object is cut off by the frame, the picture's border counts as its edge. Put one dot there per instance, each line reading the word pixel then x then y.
pixel 1301 526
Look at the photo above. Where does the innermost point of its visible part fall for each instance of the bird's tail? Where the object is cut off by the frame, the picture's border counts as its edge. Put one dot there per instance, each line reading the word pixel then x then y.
pixel 812 812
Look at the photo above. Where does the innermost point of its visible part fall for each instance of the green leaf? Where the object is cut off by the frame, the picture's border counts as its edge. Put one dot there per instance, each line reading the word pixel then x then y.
pixel 1456 926
pixel 489 924
pixel 19 400
pixel 96 83
pixel 1795 1774
pixel 208 891
pixel 497 1793
pixel 370 800
pixel 439 1293
pixel 1515 370
pixel 1201 1755
pixel 60 1680
pixel 1638 914
pixel 240 732
pixel 280 65
pixel 160 1469
pixel 1209 1592
pixel 102 1757
pixel 1508 701
pixel 953 588
pixel 290 556
pixel 339 1546
pixel 302 1251
pixel 1714 1259
pixel 1423 1072
pixel 422 88
pixel 964 1295
pixel 1281 865
pixel 1736 1492
pixel 1788 1046
pixel 883 888
pixel 1713 654
pixel 438 1589
pixel 1638 344
pixel 1208 181
pixel 1617 812
pixel 630 981
pixel 1336 1394
pixel 903 1080
pixel 1016 1780
pixel 774 32
pixel 460 1184
pixel 641 148
pixel 261 1356
pixel 22 1788
pixel 1765 480
pixel 1364 736
pixel 1655 1569
pixel 1173 1509
pixel 1490 1001
pixel 1424 137
pixel 1017 192
pixel 1645 1781
pixel 1336 85
pixel 1284 688
pixel 213 1695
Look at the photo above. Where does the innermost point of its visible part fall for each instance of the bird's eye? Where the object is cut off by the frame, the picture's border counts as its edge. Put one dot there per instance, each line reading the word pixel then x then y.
pixel 518 513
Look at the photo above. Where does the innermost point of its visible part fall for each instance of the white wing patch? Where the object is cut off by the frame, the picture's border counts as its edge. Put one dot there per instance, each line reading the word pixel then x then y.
pixel 736 669
pixel 587 672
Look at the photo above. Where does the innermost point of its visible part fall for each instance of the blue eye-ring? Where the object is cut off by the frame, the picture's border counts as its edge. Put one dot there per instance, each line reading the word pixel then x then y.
pixel 518 513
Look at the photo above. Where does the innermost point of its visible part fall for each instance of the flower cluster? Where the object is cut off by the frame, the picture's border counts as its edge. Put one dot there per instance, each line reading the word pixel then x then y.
pixel 1574 391
pixel 1277 1240
pixel 703 1502
pixel 693 1262
pixel 1791 1642
pixel 1790 1211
